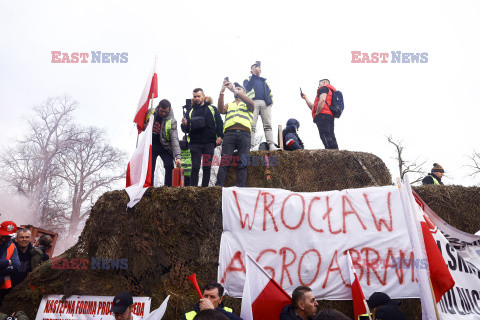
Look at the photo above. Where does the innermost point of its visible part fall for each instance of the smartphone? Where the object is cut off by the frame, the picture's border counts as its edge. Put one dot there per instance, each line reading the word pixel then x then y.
pixel 226 79
pixel 301 93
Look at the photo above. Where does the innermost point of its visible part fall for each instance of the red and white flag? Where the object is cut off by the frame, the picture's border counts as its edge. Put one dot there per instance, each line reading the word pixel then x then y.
pixel 263 298
pixel 149 92
pixel 160 312
pixel 442 280
pixel 139 171
pixel 360 305
pixel 425 249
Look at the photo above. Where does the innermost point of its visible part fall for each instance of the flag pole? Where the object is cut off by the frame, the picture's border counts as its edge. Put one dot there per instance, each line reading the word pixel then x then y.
pixel 433 298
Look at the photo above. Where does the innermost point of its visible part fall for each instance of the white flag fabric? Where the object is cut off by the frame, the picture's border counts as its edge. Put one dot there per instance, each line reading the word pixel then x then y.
pixel 158 313
pixel 418 246
pixel 139 171
pixel 149 92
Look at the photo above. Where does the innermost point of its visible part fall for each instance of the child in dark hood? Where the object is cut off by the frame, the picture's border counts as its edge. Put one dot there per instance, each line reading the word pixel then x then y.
pixel 291 140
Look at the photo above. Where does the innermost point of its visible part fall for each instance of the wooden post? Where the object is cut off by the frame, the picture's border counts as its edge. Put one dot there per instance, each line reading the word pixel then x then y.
pixel 280 137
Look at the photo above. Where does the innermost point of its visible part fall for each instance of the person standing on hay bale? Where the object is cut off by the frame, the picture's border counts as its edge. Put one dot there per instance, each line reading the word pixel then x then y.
pixel 303 307
pixel 204 126
pixel 9 261
pixel 212 299
pixel 435 176
pixel 258 89
pixel 164 139
pixel 291 140
pixel 122 307
pixel 321 113
pixel 237 128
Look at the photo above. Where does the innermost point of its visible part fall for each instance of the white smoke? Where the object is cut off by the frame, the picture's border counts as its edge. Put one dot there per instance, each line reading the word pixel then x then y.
pixel 16 208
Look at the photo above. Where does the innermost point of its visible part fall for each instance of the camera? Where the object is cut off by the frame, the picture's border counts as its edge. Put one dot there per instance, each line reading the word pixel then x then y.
pixel 186 108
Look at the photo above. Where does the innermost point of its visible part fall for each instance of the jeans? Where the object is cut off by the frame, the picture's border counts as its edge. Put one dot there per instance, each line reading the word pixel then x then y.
pixel 325 126
pixel 198 151
pixel 266 113
pixel 240 140
pixel 167 158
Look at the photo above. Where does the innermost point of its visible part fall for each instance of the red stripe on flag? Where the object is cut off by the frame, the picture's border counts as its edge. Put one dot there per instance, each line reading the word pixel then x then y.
pixel 148 179
pixel 442 280
pixel 270 302
pixel 358 298
pixel 129 181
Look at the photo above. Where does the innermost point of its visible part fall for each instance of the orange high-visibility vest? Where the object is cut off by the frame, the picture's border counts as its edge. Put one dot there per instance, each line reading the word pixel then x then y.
pixel 7 282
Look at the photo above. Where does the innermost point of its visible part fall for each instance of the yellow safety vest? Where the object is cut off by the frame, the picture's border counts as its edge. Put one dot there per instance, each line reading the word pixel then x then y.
pixel 238 113
pixel 166 128
pixel 435 181
pixel 190 315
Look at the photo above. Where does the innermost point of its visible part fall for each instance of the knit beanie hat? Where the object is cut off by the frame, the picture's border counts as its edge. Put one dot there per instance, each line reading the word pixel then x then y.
pixel 437 168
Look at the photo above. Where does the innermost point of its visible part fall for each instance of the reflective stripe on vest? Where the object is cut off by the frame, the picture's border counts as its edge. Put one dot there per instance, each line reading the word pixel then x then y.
pixel 213 115
pixel 168 127
pixel 238 113
pixel 7 283
pixel 190 315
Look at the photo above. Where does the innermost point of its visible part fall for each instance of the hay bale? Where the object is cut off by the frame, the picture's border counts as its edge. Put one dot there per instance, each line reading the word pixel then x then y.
pixel 174 232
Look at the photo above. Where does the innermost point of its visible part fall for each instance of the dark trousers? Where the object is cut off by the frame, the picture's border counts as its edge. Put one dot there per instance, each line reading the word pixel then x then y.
pixel 325 127
pixel 199 150
pixel 167 158
pixel 295 145
pixel 239 140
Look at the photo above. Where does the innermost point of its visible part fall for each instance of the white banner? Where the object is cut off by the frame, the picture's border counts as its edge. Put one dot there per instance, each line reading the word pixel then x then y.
pixel 302 238
pixel 86 308
pixel 461 252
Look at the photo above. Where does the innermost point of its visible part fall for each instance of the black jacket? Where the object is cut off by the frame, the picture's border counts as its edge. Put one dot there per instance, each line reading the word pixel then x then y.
pixel 213 125
pixel 291 129
pixel 258 83
pixel 429 179
pixel 389 311
pixel 229 315
pixel 289 314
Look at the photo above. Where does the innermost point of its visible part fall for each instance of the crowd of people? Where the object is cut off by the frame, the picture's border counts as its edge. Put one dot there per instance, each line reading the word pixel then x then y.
pixel 204 129
pixel 303 307
pixel 18 256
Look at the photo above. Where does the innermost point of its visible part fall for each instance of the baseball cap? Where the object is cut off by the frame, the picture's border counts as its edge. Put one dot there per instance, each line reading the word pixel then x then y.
pixel 378 299
pixel 121 302
pixel 8 228
pixel 238 85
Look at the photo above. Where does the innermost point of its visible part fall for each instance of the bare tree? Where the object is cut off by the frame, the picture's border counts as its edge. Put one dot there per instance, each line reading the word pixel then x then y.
pixel 61 167
pixel 474 163
pixel 405 166
pixel 90 165
pixel 30 167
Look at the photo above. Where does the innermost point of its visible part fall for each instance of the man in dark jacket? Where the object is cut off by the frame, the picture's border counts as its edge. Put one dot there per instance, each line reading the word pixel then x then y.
pixel 258 89
pixel 291 140
pixel 303 307
pixel 204 126
pixel 29 256
pixel 164 139
pixel 435 176
pixel 212 299
pixel 385 308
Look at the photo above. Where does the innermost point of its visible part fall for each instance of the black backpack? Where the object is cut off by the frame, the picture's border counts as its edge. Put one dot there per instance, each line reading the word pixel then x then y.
pixel 337 104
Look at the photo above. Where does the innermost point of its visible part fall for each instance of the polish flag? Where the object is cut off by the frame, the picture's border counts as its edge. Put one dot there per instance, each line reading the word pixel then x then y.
pixel 139 171
pixel 263 298
pixel 158 313
pixel 442 280
pixel 360 305
pixel 149 92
